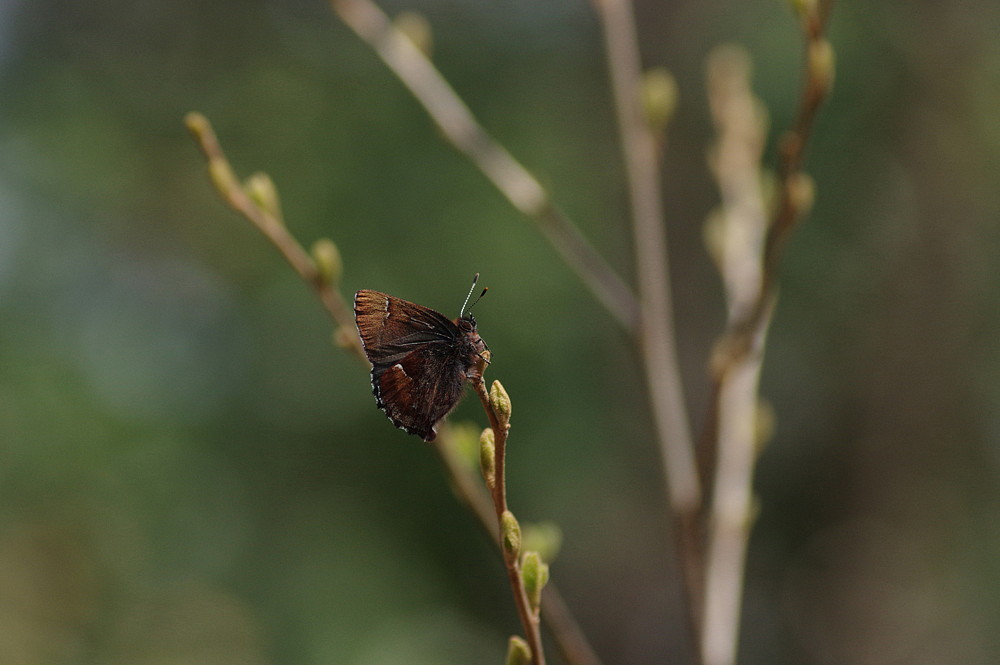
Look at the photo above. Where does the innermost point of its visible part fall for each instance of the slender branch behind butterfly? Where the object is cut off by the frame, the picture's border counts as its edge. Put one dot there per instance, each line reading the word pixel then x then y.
pixel 420 358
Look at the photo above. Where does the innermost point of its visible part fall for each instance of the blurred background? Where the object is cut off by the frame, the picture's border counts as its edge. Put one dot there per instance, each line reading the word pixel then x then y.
pixel 191 473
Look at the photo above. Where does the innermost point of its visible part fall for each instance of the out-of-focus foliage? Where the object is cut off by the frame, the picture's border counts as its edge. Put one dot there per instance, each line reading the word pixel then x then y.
pixel 191 472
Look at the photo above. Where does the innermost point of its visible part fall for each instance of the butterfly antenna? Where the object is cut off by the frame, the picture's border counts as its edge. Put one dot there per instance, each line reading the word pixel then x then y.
pixel 479 298
pixel 475 279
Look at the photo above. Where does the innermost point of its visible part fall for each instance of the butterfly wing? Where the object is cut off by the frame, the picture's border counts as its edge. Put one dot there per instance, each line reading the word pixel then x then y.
pixel 419 390
pixel 391 327
pixel 417 377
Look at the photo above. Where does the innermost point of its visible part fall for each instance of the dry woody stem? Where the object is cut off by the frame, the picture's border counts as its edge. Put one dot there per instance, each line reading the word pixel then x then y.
pixel 273 228
pixel 641 149
pixel 748 248
pixel 459 127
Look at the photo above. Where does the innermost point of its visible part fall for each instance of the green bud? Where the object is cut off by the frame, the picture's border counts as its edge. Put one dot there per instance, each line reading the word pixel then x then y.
pixel 542 537
pixel 197 124
pixel 518 652
pixel 535 574
pixel 500 402
pixel 488 457
pixel 801 193
pixel 261 190
pixel 659 97
pixel 510 532
pixel 821 64
pixel 223 177
pixel 416 26
pixel 328 262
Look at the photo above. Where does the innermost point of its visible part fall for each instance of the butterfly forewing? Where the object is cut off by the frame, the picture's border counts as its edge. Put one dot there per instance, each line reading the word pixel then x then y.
pixel 391 327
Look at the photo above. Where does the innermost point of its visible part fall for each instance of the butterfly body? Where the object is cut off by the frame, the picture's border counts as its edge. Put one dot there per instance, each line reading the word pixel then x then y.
pixel 420 359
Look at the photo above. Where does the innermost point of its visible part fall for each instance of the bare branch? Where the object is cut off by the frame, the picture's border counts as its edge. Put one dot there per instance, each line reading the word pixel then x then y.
pixel 748 248
pixel 641 152
pixel 273 228
pixel 461 130
pixel 736 236
pixel 569 637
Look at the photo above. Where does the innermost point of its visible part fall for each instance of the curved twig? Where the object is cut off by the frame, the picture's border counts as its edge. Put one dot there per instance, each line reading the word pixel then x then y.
pixel 749 249
pixel 566 632
pixel 460 128
pixel 641 149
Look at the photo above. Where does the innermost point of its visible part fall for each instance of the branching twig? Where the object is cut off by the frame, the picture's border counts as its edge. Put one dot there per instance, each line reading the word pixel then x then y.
pixel 497 408
pixel 566 632
pixel 795 189
pixel 269 223
pixel 736 239
pixel 461 130
pixel 748 251
pixel 641 152
pixel 569 638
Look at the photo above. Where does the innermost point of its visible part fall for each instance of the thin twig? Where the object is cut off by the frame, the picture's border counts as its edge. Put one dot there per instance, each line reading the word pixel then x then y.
pixel 568 636
pixel 748 250
pixel 641 149
pixel 529 617
pixel 737 237
pixel 233 193
pixel 794 188
pixel 460 128
pixel 559 621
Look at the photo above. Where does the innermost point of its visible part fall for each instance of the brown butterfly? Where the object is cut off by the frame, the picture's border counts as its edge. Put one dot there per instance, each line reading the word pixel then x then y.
pixel 420 358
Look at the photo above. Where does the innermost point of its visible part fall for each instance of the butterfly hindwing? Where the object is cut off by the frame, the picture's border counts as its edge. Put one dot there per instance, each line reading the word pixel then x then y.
pixel 415 393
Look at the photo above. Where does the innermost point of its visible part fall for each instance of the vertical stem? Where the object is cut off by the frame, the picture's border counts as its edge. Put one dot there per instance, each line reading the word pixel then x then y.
pixel 656 330
pixel 529 617
pixel 732 507
pixel 639 147
pixel 749 258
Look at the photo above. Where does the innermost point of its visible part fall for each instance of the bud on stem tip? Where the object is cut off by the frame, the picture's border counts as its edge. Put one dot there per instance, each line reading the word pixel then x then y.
pixel 500 402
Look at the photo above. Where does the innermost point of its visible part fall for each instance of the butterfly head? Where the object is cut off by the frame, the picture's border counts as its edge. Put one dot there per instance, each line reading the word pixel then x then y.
pixel 466 323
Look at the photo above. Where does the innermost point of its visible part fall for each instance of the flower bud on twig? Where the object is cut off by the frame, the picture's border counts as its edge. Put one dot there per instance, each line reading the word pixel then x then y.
pixel 500 402
pixel 223 178
pixel 518 652
pixel 510 532
pixel 659 97
pixel 328 262
pixel 417 28
pixel 487 457
pixel 261 190
pixel 535 573
pixel 821 67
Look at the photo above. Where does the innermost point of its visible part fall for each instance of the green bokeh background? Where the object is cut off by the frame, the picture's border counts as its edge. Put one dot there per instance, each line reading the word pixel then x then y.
pixel 191 473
